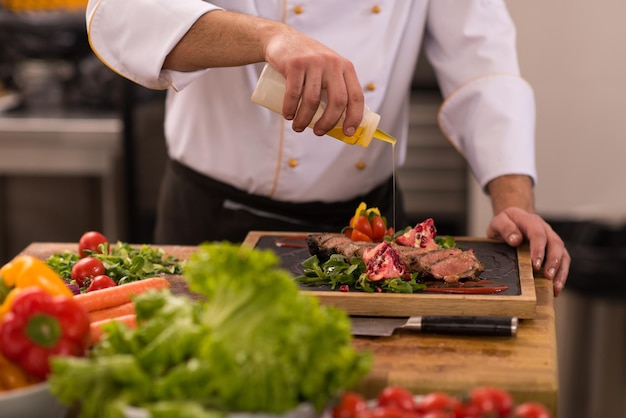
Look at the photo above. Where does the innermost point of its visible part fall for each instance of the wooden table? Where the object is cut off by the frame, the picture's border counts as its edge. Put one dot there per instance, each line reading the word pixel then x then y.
pixel 525 365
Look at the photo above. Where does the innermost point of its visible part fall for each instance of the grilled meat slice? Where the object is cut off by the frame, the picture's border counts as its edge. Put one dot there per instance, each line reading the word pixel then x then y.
pixel 449 265
pixel 457 266
pixel 326 244
pixel 420 259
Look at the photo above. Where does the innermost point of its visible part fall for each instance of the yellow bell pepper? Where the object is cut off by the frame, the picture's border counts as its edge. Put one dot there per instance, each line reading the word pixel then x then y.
pixel 362 209
pixel 26 271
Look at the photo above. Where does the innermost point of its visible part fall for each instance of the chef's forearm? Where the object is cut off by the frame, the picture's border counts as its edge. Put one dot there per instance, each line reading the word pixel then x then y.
pixel 511 191
pixel 222 39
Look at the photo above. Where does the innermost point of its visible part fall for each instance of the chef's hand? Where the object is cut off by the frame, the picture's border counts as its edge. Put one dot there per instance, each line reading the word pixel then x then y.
pixel 547 250
pixel 310 67
pixel 515 221
pixel 223 39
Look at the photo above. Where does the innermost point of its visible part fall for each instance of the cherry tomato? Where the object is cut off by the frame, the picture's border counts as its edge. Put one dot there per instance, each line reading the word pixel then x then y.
pixel 86 268
pixel 100 282
pixel 351 405
pixel 363 224
pixel 467 410
pixel 438 414
pixel 394 396
pixel 391 412
pixel 359 236
pixel 490 400
pixel 436 401
pixel 530 410
pixel 379 228
pixel 90 241
pixel 348 232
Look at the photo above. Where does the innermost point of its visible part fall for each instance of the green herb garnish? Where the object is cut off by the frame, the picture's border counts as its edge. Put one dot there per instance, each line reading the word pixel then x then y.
pixel 337 272
pixel 123 263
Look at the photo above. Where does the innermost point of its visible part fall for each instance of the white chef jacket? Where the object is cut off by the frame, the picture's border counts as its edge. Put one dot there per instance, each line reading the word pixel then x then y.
pixel 212 126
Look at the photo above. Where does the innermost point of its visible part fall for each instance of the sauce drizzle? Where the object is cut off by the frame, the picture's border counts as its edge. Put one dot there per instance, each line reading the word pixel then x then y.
pixel 480 287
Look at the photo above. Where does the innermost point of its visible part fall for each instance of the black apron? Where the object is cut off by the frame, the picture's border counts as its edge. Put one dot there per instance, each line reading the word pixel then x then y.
pixel 193 208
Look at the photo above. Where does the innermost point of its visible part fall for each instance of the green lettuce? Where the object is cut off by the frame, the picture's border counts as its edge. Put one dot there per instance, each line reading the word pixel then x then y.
pixel 252 343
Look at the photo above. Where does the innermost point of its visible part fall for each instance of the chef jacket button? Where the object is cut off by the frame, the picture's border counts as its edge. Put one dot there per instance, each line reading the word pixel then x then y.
pixel 370 86
pixel 298 10
pixel 360 165
pixel 376 9
pixel 293 163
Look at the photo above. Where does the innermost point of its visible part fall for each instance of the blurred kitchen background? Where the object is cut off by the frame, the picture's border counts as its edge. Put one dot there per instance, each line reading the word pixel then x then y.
pixel 83 149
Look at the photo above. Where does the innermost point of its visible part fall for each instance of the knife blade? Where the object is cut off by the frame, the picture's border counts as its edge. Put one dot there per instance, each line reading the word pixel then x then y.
pixel 463 325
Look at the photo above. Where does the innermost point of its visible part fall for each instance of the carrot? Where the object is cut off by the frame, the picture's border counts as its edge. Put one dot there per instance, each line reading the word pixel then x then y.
pixel 119 295
pixel 96 327
pixel 119 310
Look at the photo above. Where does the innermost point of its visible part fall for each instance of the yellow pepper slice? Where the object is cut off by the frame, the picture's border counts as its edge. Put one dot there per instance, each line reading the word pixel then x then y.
pixel 362 207
pixel 363 210
pixel 11 376
pixel 26 271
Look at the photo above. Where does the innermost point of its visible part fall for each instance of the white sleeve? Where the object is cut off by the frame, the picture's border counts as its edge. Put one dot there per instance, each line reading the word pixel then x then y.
pixel 133 37
pixel 489 110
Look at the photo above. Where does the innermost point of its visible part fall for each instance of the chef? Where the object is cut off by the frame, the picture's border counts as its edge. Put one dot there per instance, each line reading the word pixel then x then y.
pixel 235 166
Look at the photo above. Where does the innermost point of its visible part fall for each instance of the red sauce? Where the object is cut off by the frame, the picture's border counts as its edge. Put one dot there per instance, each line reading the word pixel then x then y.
pixel 292 241
pixel 470 287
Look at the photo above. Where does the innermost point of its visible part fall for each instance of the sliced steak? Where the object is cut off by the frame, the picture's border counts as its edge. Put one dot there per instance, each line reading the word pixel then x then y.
pixel 462 265
pixel 422 259
pixel 326 244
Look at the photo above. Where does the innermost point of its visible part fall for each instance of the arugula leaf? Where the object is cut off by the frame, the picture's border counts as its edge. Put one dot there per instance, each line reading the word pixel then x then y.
pixel 336 271
pixel 445 241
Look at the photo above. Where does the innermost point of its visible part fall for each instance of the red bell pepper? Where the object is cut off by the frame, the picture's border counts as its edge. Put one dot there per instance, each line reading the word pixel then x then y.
pixel 39 326
pixel 26 271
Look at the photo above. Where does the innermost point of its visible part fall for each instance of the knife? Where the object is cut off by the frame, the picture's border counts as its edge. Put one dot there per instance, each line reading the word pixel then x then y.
pixel 375 326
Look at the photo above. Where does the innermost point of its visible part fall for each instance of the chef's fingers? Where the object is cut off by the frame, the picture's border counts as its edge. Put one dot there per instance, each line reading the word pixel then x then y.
pixel 502 227
pixel 547 250
pixel 534 229
pixel 294 84
pixel 356 102
pixel 344 96
pixel 513 225
pixel 561 272
pixel 557 260
pixel 336 101
pixel 311 94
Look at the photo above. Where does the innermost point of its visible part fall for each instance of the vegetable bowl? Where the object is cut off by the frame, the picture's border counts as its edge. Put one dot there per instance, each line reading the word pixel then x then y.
pixel 31 401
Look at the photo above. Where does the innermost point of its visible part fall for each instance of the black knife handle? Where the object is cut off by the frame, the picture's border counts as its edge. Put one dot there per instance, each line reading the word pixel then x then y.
pixel 468 325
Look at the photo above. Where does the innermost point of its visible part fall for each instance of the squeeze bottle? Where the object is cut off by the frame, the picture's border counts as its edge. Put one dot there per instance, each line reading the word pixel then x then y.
pixel 270 92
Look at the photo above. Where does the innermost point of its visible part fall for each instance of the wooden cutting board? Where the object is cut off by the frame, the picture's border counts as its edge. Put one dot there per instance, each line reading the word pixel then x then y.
pixel 503 265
